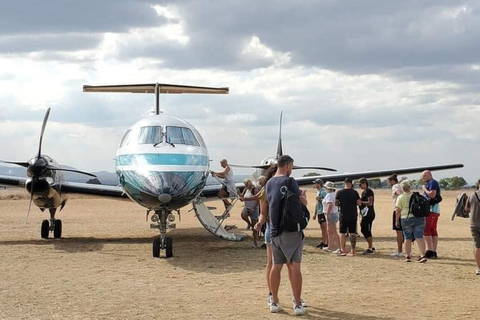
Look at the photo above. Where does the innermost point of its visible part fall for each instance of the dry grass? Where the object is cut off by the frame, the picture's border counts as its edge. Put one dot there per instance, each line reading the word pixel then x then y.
pixel 102 269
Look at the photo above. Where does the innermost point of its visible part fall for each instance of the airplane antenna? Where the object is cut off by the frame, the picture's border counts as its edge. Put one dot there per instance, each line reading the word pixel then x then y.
pixel 157 98
pixel 279 148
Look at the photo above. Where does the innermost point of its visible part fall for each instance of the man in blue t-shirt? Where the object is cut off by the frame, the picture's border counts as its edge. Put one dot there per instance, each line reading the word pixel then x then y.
pixel 286 246
pixel 322 220
pixel 431 191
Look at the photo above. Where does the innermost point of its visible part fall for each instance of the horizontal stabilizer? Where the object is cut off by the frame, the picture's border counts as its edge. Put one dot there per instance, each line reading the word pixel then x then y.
pixel 150 88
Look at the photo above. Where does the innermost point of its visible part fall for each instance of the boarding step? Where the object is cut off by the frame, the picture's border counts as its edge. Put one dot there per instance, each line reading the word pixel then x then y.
pixel 212 223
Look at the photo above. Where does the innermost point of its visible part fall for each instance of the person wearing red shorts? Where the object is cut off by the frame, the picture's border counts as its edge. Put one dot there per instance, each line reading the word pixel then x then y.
pixel 432 192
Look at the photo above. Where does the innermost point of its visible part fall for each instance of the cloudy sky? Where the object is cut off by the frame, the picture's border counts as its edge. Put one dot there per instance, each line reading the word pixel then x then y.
pixel 364 85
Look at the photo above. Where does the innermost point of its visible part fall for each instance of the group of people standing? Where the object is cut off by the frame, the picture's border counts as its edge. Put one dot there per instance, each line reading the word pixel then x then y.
pixel 344 206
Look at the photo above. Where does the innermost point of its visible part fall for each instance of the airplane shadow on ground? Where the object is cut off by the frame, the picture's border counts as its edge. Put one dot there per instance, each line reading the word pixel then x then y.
pixel 320 313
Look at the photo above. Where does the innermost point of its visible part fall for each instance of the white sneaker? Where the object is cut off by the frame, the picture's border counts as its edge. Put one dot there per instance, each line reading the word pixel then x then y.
pixel 270 300
pixel 396 254
pixel 478 272
pixel 275 307
pixel 298 310
pixel 336 251
pixel 304 304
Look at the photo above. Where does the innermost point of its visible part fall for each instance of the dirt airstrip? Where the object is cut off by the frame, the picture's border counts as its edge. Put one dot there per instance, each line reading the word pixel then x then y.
pixel 103 268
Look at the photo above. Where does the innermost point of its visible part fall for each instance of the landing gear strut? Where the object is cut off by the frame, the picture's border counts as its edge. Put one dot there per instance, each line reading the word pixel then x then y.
pixel 52 225
pixel 163 219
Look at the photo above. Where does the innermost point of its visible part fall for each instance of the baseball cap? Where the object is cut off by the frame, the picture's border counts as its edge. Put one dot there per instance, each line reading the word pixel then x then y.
pixel 319 181
pixel 348 180
pixel 363 180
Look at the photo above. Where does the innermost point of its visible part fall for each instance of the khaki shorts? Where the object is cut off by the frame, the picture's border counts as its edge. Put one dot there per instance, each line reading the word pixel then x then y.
pixel 476 236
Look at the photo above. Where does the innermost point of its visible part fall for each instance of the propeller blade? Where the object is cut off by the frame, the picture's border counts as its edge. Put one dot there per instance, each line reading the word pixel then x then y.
pixel 309 167
pixel 22 164
pixel 262 166
pixel 30 204
pixel 279 147
pixel 71 170
pixel 41 133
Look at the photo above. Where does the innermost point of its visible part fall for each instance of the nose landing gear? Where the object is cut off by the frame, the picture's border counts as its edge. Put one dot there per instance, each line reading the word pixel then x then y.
pixel 162 220
pixel 52 225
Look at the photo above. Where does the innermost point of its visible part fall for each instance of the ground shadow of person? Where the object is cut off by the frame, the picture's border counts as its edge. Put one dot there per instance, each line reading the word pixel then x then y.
pixel 321 313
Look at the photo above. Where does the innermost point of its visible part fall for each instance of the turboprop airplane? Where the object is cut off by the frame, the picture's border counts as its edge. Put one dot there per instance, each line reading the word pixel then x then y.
pixel 44 184
pixel 162 164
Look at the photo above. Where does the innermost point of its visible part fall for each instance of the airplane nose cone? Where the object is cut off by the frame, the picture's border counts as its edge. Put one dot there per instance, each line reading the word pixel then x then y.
pixel 165 198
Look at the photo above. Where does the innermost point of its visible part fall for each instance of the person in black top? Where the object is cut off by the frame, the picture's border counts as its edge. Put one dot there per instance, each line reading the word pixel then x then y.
pixel 367 212
pixel 348 200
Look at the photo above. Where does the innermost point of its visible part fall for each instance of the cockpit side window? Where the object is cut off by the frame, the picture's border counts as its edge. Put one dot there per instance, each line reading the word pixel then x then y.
pixel 125 139
pixel 180 135
pixel 150 135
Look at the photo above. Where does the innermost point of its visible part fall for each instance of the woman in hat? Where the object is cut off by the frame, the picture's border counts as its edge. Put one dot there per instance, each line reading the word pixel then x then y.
pixel 331 212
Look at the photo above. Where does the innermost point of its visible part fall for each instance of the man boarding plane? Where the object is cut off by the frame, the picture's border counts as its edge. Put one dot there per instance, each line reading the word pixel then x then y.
pixel 162 164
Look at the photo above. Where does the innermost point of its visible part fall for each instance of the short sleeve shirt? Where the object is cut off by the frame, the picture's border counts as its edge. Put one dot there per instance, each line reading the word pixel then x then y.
pixel 365 194
pixel 433 185
pixel 395 188
pixel 322 194
pixel 274 198
pixel 403 203
pixel 329 198
pixel 348 204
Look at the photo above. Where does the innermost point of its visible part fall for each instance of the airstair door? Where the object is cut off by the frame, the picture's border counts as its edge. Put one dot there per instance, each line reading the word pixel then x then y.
pixel 212 223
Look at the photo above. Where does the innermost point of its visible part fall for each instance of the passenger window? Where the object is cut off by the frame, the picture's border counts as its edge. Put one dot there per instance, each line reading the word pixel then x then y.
pixel 179 135
pixel 150 135
pixel 125 139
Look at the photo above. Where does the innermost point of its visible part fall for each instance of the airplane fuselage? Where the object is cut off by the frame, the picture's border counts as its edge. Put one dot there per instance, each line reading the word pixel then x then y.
pixel 162 163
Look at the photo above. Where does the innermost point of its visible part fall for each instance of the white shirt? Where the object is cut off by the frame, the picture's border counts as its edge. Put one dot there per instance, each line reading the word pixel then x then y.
pixel 395 188
pixel 329 198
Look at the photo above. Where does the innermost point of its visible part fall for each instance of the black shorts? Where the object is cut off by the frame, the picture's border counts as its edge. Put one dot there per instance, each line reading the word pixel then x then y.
pixel 224 188
pixel 321 218
pixel 394 226
pixel 348 227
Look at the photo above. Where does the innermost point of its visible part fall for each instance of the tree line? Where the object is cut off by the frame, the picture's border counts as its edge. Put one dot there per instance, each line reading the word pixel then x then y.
pixel 451 183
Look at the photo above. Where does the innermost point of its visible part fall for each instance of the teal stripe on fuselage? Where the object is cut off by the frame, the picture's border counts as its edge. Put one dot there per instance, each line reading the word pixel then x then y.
pixel 162 159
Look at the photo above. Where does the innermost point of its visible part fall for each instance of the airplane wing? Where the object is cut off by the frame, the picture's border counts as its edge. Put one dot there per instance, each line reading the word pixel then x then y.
pixel 13 181
pixel 374 174
pixel 71 187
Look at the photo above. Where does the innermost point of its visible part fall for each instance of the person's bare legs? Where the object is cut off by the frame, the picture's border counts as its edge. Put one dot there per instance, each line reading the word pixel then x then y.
pixel 255 233
pixel 222 194
pixel 343 242
pixel 246 218
pixel 268 268
pixel 370 242
pixel 476 253
pixel 428 241
pixel 434 243
pixel 275 276
pixel 408 248
pixel 323 226
pixel 421 246
pixel 399 241
pixel 334 238
pixel 295 276
pixel 353 241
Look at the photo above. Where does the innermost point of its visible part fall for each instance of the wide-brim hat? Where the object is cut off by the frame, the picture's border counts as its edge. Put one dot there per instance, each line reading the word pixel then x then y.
pixel 329 185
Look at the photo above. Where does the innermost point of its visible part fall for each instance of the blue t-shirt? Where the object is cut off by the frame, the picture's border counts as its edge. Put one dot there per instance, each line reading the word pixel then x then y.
pixel 322 193
pixel 274 199
pixel 433 185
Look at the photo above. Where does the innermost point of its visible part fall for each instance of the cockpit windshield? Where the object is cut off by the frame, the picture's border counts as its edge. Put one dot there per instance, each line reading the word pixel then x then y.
pixel 180 135
pixel 150 135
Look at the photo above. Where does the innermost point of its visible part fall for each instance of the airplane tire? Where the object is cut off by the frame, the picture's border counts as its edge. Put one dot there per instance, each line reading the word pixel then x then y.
pixel 169 247
pixel 45 229
pixel 57 232
pixel 156 247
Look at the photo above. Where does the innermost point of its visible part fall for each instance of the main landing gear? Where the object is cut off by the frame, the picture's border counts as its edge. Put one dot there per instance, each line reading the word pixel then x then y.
pixel 52 225
pixel 163 220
